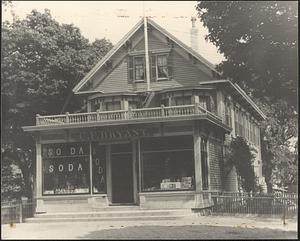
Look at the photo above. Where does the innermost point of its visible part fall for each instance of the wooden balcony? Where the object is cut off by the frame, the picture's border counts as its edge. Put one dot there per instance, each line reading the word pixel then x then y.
pixel 131 116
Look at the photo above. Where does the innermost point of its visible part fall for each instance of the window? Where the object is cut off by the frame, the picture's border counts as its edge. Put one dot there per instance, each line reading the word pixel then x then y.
pixel 204 164
pixel 99 165
pixel 204 102
pixel 139 68
pixel 110 106
pixel 168 163
pixel 236 121
pixel 66 168
pixel 228 114
pixel 183 100
pixel 162 67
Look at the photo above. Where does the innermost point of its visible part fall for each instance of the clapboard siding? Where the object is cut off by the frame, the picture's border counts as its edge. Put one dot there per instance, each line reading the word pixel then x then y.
pixel 116 81
pixel 153 43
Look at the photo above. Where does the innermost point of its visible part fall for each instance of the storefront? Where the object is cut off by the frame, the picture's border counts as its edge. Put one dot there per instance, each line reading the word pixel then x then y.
pixel 152 166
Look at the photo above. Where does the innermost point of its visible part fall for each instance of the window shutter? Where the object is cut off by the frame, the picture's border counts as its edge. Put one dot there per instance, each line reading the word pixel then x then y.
pixel 170 65
pixel 130 69
pixel 153 68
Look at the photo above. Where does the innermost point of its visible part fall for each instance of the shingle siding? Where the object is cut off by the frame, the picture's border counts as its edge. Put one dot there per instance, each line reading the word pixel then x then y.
pixel 215 158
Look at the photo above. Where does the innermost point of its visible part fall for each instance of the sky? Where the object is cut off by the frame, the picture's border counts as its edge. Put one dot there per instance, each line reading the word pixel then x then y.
pixel 113 19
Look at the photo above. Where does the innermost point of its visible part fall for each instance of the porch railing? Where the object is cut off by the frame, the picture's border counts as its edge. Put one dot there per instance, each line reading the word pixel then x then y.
pixel 131 114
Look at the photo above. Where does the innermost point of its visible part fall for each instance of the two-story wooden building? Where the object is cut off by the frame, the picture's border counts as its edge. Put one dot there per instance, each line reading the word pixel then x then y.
pixel 153 135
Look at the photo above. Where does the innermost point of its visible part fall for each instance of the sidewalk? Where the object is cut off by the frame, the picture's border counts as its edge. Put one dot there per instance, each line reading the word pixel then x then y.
pixel 73 230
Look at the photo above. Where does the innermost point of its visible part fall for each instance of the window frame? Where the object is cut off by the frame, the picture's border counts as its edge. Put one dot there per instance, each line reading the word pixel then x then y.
pixel 134 68
pixel 156 66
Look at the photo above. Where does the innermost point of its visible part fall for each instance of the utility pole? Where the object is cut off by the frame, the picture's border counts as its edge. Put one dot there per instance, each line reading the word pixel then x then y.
pixel 147 54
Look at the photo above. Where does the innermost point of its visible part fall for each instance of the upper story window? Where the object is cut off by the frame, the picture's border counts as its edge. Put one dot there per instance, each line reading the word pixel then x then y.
pixel 139 68
pixel 183 100
pixel 160 67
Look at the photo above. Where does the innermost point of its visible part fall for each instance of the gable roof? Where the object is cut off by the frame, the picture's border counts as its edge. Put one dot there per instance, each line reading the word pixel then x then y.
pixel 123 41
pixel 235 88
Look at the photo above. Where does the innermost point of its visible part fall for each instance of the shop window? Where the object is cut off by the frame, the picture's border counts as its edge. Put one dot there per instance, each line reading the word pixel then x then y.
pixel 99 165
pixel 168 163
pixel 66 168
pixel 204 163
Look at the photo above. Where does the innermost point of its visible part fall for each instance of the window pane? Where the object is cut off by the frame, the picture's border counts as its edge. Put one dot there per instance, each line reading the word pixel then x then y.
pixel 162 66
pixel 139 68
pixel 66 168
pixel 99 171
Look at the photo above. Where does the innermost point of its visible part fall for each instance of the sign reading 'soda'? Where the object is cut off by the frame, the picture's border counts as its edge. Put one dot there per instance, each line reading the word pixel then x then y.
pixel 65 150
pixel 65 157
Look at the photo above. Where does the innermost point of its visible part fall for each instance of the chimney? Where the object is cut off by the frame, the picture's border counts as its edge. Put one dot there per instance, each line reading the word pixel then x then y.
pixel 194 35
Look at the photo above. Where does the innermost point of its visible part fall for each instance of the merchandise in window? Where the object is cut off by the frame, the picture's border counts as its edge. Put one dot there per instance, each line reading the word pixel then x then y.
pixel 66 168
pixel 168 163
pixel 99 171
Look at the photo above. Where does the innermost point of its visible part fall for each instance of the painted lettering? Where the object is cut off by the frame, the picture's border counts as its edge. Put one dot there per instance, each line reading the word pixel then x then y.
pixel 100 170
pixel 58 151
pixel 51 168
pixel 80 167
pixel 72 151
pixel 71 167
pixel 97 162
pixel 50 152
pixel 81 150
pixel 61 167
pixel 102 180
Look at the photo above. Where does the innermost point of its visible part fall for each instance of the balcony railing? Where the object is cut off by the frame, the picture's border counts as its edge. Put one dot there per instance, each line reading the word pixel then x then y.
pixel 131 114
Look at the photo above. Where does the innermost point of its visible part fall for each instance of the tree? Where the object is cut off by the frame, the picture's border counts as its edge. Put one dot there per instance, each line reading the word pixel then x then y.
pixel 41 61
pixel 260 43
pixel 241 155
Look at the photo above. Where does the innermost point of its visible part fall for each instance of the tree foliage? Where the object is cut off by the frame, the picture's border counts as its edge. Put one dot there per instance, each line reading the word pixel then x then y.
pixel 241 156
pixel 260 43
pixel 41 61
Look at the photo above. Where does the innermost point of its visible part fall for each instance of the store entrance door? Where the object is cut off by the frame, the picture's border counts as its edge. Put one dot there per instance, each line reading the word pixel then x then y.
pixel 122 176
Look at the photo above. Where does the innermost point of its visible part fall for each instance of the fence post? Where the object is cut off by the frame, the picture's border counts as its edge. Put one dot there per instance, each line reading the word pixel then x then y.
pixel 21 212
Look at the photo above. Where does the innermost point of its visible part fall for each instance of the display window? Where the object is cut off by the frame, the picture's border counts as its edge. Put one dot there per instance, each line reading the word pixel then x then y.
pixel 99 168
pixel 167 163
pixel 66 168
